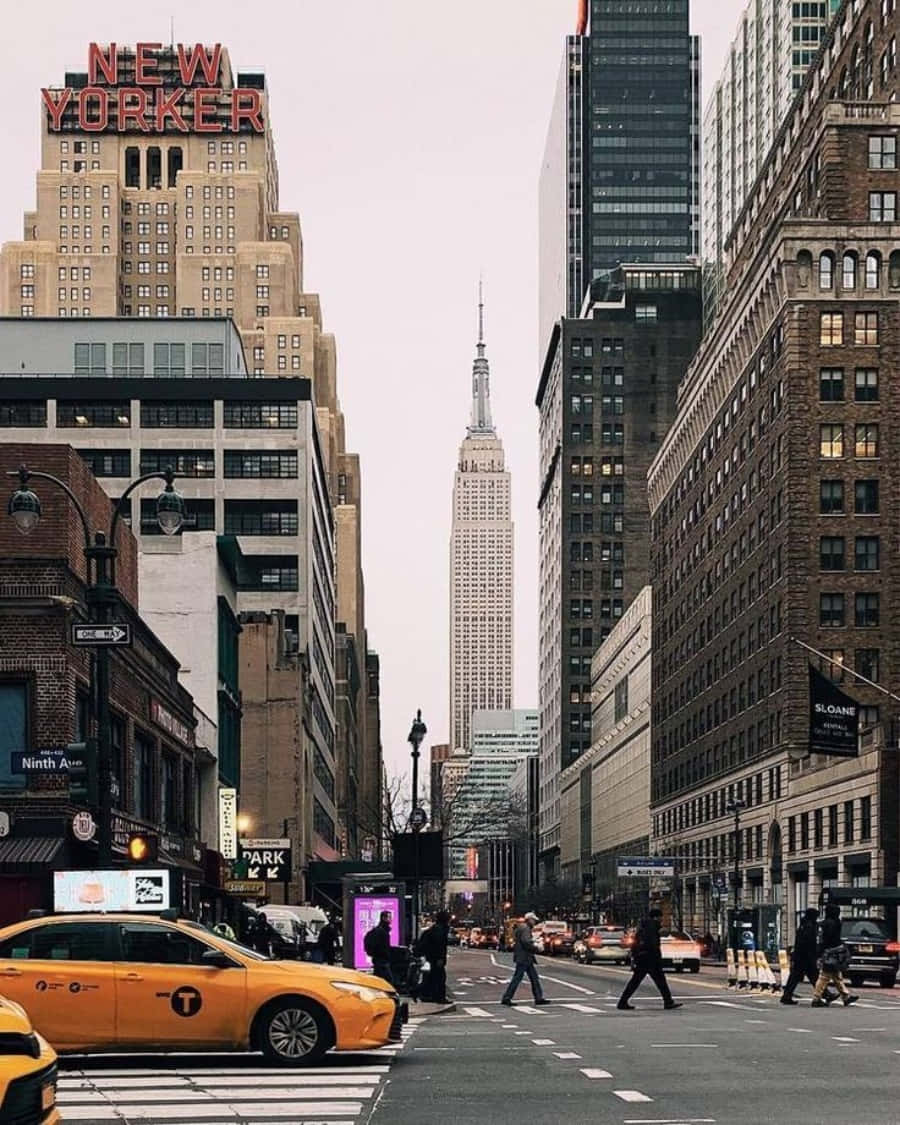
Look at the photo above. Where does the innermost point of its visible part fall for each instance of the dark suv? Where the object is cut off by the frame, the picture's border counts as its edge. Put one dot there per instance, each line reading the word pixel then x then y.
pixel 873 952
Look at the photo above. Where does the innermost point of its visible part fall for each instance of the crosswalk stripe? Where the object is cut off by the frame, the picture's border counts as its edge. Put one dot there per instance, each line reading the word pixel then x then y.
pixel 212 1072
pixel 177 1082
pixel 288 1112
pixel 584 1008
pixel 477 1012
pixel 222 1094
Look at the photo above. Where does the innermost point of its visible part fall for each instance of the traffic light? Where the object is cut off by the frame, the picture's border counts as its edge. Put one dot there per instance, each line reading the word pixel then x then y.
pixel 587 885
pixel 82 758
pixel 143 847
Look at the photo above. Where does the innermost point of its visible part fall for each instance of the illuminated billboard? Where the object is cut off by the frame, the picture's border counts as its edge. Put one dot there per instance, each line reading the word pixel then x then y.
pixel 366 913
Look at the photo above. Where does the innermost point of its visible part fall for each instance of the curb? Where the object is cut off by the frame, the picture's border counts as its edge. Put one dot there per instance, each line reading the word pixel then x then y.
pixel 423 1008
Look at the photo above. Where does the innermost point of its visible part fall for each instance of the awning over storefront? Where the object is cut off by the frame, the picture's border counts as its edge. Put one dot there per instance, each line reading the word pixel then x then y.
pixel 29 855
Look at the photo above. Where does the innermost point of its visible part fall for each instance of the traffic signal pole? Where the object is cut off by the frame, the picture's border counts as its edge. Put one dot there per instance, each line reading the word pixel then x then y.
pixel 100 596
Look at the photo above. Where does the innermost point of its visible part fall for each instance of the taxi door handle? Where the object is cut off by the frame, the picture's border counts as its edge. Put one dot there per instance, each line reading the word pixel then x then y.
pixel 10 972
pixel 132 977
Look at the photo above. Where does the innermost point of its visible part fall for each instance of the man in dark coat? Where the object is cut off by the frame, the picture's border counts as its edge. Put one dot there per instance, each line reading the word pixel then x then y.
pixel 432 945
pixel 524 959
pixel 646 959
pixel 377 943
pixel 326 942
pixel 803 956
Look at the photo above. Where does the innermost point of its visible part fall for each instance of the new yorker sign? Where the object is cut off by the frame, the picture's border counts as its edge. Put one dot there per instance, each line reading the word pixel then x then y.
pixel 190 99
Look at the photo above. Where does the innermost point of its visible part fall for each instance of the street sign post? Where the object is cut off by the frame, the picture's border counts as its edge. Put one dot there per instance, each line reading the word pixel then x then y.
pixel 268 860
pixel 645 866
pixel 114 635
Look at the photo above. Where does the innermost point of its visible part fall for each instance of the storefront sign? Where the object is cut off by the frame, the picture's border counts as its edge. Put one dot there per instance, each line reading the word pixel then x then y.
pixel 126 890
pixel 228 823
pixel 144 105
pixel 833 718
pixel 253 889
pixel 172 725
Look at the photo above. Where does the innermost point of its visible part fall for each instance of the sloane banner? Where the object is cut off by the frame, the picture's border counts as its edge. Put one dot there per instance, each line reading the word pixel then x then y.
pixel 833 718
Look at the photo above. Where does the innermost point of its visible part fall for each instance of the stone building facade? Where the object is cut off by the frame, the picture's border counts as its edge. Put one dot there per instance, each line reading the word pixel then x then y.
pixel 773 501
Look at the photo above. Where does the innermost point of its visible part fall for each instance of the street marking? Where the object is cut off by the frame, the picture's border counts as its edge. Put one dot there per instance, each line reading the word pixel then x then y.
pixel 670 1121
pixel 801 1030
pixel 543 1042
pixel 574 987
pixel 566 1055
pixel 720 1003
pixel 584 1008
pixel 509 1026
pixel 756 1021
pixel 844 1039
pixel 595 1072
pixel 529 1011
pixel 632 1096
pixel 477 1012
pixel 684 1044
pixel 528 1033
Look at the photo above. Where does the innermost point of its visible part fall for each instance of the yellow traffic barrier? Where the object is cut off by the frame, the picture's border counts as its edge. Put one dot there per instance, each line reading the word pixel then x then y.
pixel 741 968
pixel 732 967
pixel 784 969
pixel 764 971
pixel 752 973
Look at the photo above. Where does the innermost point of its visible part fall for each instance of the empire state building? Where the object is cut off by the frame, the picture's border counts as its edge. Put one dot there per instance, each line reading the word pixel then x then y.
pixel 481 566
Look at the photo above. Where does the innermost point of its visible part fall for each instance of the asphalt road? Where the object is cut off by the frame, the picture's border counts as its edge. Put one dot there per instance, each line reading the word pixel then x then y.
pixel 724 1058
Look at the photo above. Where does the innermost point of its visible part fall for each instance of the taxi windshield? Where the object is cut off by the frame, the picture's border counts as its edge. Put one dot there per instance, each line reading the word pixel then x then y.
pixel 235 945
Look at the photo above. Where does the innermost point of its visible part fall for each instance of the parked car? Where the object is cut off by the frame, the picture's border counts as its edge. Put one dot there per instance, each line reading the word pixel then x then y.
pixel 679 951
pixel 874 954
pixel 603 943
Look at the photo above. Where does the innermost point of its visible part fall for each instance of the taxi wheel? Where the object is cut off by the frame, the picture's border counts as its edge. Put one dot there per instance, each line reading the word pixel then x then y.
pixel 294 1031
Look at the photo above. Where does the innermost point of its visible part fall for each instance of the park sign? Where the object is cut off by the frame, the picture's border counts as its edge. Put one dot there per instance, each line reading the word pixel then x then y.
pixel 127 92
pixel 266 859
pixel 644 866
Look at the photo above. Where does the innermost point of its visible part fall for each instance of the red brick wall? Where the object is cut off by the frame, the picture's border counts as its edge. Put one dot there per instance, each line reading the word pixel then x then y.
pixel 59 534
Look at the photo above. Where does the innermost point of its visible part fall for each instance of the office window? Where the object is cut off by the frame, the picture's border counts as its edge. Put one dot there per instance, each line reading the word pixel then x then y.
pixel 831 384
pixel 31 414
pixel 832 664
pixel 831 440
pixel 207 359
pixel 261 517
pixel 883 153
pixel 168 359
pixel 177 415
pixel 99 414
pixel 831 610
pixel 199 515
pixel 866 440
pixel 819 828
pixel 866 389
pixel 873 270
pixel 262 464
pixel 644 312
pixel 831 552
pixel 271 572
pixel 90 359
pixel 831 329
pixel 866 662
pixel 848 271
pixel 867 611
pixel 866 552
pixel 866 497
pixel 260 415
pixel 14 730
pixel 831 496
pixel 826 270
pixel 142 779
pixel 128 359
pixel 865 331
pixel 865 818
pixel 832 826
pixel 185 462
pixel 107 462
pixel 882 206
pixel 849 825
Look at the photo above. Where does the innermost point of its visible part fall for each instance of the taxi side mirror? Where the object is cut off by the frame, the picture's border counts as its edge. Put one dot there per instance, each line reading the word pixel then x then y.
pixel 217 959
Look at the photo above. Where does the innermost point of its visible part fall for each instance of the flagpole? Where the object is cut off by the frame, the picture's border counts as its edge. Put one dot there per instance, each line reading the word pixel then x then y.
pixel 844 668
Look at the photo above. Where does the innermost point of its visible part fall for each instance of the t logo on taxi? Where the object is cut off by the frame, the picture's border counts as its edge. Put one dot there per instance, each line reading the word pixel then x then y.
pixel 186 1001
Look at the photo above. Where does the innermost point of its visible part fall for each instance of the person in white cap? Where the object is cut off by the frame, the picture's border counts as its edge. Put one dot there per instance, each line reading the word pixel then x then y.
pixel 525 961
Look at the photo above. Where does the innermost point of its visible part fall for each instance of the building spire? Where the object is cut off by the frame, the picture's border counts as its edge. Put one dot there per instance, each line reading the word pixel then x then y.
pixel 481 378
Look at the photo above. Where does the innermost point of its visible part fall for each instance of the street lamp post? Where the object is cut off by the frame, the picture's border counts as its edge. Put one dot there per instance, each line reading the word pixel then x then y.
pixel 101 596
pixel 735 807
pixel 417 733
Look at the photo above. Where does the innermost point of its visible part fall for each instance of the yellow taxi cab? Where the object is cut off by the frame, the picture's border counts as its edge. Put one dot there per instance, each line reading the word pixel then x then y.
pixel 133 982
pixel 27 1070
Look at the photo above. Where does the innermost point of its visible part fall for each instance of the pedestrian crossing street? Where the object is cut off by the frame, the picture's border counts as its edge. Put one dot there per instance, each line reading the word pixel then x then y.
pixel 216 1093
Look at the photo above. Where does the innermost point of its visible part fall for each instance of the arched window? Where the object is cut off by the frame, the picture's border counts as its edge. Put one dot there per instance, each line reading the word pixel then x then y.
pixel 868 85
pixel 873 270
pixel 894 269
pixel 804 268
pixel 843 85
pixel 855 88
pixel 848 271
pixel 826 270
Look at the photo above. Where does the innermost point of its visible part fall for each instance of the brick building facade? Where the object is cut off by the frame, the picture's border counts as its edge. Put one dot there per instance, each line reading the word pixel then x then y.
pixel 45 697
pixel 774 508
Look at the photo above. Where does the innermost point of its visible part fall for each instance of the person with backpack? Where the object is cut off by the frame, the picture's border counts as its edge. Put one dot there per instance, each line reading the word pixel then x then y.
pixel 377 944
pixel 646 960
pixel 834 959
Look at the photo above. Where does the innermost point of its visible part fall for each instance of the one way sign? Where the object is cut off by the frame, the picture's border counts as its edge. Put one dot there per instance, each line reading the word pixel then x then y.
pixel 267 859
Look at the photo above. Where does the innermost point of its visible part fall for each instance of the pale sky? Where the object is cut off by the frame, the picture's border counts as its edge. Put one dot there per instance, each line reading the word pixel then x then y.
pixel 409 137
